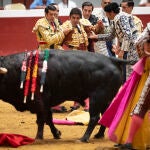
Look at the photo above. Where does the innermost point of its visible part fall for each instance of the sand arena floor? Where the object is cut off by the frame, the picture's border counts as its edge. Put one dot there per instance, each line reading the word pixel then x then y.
pixel 12 121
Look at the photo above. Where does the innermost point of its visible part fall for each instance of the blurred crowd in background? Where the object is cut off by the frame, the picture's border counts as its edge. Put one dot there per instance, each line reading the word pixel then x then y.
pixel 69 4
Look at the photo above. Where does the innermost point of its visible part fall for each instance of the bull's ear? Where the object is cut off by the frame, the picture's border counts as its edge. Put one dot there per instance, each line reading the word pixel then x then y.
pixel 3 70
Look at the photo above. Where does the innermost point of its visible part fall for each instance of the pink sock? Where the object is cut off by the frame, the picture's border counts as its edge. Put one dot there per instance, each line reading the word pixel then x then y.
pixel 86 103
pixel 76 104
pixel 56 107
pixel 136 122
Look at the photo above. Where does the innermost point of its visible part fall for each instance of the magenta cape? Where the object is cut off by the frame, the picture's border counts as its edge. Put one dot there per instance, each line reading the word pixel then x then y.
pixel 113 114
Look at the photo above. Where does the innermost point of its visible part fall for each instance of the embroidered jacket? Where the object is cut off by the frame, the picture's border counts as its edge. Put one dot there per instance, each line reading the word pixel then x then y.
pixel 124 28
pixel 76 38
pixel 48 36
pixel 138 23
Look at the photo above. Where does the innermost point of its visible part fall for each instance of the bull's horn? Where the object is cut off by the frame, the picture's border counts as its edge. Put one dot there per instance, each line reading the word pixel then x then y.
pixel 3 70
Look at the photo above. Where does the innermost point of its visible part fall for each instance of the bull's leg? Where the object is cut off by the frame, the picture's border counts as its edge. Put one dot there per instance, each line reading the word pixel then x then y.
pixel 101 131
pixel 94 111
pixel 49 121
pixel 40 124
pixel 43 117
pixel 40 114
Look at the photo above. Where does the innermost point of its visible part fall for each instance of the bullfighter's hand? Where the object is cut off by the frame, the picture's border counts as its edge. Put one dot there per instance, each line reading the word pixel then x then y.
pixel 67 31
pixel 68 35
pixel 120 55
pixel 149 114
pixel 100 24
pixel 116 49
pixel 93 36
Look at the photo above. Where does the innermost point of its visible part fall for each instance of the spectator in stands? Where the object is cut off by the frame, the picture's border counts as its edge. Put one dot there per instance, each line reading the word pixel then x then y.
pixel 1 8
pixel 104 47
pixel 67 4
pixel 144 3
pixel 40 4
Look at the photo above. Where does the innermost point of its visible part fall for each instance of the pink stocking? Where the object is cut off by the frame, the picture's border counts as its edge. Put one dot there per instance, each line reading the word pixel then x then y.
pixel 86 104
pixel 136 122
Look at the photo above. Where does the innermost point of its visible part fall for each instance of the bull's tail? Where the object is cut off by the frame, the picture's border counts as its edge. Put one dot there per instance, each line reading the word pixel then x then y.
pixel 121 62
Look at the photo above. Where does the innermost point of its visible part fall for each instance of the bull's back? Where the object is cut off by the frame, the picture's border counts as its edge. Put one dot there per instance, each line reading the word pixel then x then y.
pixel 70 74
pixel 75 72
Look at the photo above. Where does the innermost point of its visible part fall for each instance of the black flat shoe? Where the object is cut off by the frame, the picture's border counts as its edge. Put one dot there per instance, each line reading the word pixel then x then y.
pixel 72 108
pixel 127 146
pixel 60 109
pixel 117 145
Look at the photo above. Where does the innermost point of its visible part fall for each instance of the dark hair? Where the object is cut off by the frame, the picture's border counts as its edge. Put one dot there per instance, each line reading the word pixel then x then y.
pixel 130 3
pixel 53 4
pixel 76 11
pixel 87 4
pixel 148 40
pixel 112 7
pixel 50 7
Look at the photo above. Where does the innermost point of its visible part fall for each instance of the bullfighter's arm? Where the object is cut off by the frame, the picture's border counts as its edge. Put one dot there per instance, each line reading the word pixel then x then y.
pixel 104 37
pixel 50 38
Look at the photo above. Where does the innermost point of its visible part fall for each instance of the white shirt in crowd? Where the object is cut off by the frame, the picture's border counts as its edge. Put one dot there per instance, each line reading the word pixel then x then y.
pixel 142 2
pixel 70 5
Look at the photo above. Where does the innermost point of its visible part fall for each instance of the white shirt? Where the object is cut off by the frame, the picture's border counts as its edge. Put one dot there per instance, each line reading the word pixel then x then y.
pixel 71 5
pixel 142 1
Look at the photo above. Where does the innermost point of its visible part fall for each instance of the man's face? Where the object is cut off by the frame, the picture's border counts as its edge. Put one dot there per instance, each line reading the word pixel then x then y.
pixel 57 11
pixel 50 15
pixel 74 19
pixel 87 11
pixel 147 47
pixel 110 15
pixel 44 1
pixel 65 1
pixel 126 8
pixel 105 2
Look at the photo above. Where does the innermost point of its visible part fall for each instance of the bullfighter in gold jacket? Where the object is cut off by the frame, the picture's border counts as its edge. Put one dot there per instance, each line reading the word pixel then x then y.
pixel 76 39
pixel 48 31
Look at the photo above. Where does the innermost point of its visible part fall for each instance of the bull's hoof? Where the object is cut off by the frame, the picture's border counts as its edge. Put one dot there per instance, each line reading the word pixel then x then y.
pixel 99 136
pixel 39 137
pixel 84 140
pixel 57 135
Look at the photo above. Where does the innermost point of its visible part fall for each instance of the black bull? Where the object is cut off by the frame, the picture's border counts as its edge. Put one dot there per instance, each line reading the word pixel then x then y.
pixel 71 75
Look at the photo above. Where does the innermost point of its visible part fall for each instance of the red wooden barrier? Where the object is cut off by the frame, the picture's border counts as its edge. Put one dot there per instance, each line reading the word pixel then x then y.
pixel 16 33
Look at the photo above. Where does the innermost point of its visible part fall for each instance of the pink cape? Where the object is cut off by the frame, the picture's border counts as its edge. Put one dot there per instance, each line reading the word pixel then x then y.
pixel 63 122
pixel 113 114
